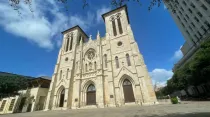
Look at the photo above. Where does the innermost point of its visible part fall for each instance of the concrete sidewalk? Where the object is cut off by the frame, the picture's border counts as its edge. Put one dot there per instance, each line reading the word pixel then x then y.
pixel 186 109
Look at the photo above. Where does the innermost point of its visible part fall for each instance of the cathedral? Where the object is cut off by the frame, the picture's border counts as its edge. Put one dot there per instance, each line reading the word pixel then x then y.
pixel 103 72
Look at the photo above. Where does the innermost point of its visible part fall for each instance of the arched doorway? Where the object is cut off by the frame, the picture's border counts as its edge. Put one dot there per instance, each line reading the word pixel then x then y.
pixel 91 95
pixel 128 91
pixel 62 94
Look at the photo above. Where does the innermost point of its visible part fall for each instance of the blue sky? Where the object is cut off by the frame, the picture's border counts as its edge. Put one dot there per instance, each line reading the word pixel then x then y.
pixel 30 42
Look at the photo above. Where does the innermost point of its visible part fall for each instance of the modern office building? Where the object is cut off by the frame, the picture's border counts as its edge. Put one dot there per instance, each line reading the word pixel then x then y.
pixel 193 19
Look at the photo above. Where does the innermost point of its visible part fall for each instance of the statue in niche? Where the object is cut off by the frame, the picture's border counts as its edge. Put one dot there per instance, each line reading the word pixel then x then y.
pixel 90 66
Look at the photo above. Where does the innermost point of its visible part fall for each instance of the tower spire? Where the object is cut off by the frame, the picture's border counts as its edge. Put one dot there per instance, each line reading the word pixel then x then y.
pixel 90 38
pixel 81 41
pixel 98 35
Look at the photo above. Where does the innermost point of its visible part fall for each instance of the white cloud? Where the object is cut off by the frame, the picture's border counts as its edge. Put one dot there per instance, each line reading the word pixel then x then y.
pixel 84 22
pixel 33 26
pixel 160 76
pixel 43 26
pixel 164 6
pixel 177 55
pixel 101 12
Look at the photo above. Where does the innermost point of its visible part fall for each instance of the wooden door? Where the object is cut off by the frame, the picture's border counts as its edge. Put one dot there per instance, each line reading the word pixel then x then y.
pixel 91 95
pixel 91 98
pixel 62 98
pixel 128 91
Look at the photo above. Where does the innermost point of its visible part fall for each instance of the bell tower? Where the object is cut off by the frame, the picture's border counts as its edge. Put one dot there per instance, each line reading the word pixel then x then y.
pixel 126 57
pixel 116 22
pixel 72 38
pixel 63 75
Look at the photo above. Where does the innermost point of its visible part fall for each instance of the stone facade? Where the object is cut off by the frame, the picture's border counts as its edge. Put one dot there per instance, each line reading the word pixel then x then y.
pixel 97 73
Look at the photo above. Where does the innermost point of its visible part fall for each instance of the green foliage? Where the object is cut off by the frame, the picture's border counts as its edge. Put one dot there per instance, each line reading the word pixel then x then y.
pixel 162 93
pixel 11 84
pixel 85 3
pixel 159 94
pixel 195 72
pixel 174 100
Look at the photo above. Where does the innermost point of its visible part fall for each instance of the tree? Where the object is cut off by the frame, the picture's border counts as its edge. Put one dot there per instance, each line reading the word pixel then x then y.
pixel 85 3
pixel 200 65
pixel 9 85
pixel 194 72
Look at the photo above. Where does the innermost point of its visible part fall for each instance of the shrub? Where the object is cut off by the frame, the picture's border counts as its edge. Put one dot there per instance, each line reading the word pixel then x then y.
pixel 174 100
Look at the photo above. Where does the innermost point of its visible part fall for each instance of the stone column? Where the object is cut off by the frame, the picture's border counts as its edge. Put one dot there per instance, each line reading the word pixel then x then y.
pixel 50 96
pixel 65 98
pixel 100 92
pixel 138 93
pixel 76 92
pixel 117 94
pixel 55 102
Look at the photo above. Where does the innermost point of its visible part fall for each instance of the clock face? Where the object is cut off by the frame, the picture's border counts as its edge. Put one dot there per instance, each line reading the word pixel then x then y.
pixel 91 54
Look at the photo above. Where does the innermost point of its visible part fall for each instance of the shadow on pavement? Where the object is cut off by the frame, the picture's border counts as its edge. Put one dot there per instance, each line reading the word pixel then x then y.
pixel 180 115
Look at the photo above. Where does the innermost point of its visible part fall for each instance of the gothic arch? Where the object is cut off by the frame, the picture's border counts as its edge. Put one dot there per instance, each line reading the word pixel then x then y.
pixel 91 95
pixel 60 89
pixel 85 92
pixel 60 96
pixel 124 77
pixel 86 85
pixel 124 93
pixel 128 91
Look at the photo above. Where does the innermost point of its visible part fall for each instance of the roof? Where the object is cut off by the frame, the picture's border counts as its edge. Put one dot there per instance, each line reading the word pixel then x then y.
pixel 45 77
pixel 124 6
pixel 12 74
pixel 42 82
pixel 28 77
pixel 77 26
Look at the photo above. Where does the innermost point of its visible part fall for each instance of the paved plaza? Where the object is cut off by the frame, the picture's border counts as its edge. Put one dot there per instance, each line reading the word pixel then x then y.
pixel 186 109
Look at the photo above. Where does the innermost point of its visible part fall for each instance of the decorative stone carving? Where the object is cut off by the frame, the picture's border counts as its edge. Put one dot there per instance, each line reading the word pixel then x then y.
pixel 91 54
pixel 86 63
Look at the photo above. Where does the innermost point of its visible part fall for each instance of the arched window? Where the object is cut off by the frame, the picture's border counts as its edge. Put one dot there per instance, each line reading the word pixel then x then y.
pixel 105 60
pixel 126 82
pixel 128 59
pixel 67 74
pixel 119 25
pixel 67 43
pixel 114 27
pixel 60 75
pixel 71 41
pixel 86 69
pixel 95 66
pixel 80 37
pixel 117 62
pixel 91 88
